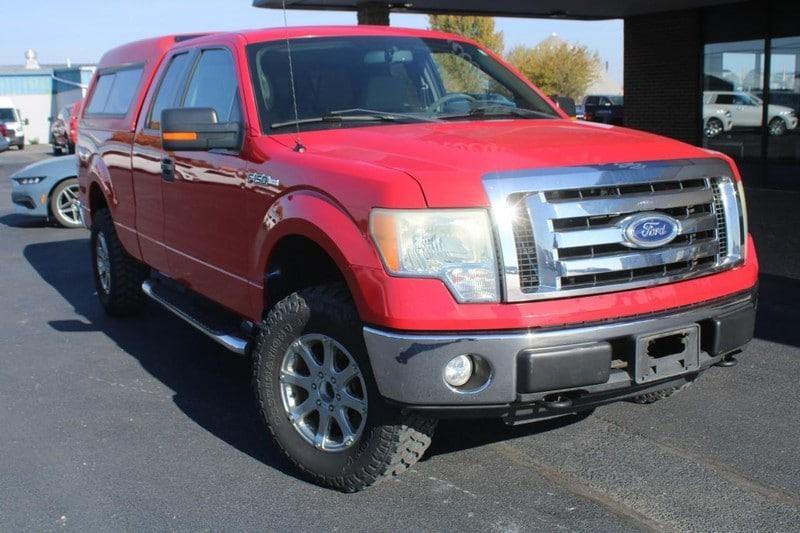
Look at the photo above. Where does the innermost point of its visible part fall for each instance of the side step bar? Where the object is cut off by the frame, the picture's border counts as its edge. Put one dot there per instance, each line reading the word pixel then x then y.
pixel 232 342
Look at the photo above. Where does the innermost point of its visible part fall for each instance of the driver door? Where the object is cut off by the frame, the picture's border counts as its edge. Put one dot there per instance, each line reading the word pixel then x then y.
pixel 204 193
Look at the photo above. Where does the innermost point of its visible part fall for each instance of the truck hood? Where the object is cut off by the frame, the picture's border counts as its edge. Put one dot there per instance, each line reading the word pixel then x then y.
pixel 448 159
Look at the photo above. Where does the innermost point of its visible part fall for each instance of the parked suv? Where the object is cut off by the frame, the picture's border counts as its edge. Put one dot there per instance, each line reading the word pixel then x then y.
pixel 396 228
pixel 607 109
pixel 747 111
pixel 12 125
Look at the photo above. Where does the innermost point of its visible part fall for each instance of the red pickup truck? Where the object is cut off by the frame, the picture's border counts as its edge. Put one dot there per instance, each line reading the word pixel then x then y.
pixel 397 227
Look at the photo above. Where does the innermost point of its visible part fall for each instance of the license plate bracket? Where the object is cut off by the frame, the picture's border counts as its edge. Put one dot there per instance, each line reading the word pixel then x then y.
pixel 667 353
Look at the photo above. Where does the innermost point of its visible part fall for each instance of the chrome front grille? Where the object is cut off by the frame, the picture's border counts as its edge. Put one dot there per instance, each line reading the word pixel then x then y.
pixel 561 230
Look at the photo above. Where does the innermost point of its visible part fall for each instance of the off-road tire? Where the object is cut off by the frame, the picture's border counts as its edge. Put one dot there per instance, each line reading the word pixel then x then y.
pixel 392 439
pixel 125 297
pixel 652 397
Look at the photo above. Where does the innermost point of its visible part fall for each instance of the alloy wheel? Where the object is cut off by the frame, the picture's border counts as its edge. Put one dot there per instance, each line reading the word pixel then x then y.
pixel 67 204
pixel 323 391
pixel 103 263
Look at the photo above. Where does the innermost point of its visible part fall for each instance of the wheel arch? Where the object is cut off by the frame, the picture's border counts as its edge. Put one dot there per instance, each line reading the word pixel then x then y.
pixel 310 223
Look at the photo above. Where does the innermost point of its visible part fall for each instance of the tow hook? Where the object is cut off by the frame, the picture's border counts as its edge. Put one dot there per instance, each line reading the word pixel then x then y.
pixel 728 361
pixel 557 401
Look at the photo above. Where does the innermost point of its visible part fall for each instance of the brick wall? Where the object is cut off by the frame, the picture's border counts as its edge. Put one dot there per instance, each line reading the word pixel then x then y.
pixel 663 56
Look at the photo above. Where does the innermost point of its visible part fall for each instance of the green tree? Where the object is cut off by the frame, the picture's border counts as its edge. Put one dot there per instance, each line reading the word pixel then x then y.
pixel 557 67
pixel 480 29
pixel 459 75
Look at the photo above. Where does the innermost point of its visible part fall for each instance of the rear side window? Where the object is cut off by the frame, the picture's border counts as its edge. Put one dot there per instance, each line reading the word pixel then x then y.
pixel 214 85
pixel 167 95
pixel 114 92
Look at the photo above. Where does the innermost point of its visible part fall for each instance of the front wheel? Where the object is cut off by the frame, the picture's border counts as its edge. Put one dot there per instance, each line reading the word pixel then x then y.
pixel 21 144
pixel 64 204
pixel 777 127
pixel 320 403
pixel 713 128
pixel 118 276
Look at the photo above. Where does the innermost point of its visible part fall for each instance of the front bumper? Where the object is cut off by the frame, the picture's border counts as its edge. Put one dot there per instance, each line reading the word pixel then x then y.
pixel 588 364
pixel 30 199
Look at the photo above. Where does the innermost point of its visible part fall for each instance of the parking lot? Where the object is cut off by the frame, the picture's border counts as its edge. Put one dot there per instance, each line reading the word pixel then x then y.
pixel 145 424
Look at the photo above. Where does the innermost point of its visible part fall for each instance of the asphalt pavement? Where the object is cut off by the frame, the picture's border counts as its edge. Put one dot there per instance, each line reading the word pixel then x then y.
pixel 144 424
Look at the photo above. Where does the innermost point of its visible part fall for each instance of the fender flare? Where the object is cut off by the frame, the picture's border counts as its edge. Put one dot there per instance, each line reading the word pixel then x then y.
pixel 98 173
pixel 313 215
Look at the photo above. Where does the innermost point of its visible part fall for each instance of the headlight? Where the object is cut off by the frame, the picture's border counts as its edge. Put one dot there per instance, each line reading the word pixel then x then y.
pixel 453 245
pixel 29 181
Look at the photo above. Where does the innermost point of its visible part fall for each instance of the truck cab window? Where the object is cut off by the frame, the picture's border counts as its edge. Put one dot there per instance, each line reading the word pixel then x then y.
pixel 168 90
pixel 114 92
pixel 214 85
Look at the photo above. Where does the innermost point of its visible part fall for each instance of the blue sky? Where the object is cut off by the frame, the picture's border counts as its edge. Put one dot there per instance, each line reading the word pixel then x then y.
pixel 84 29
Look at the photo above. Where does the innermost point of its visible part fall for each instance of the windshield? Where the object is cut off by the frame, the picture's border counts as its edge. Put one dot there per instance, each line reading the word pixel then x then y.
pixel 7 115
pixel 364 81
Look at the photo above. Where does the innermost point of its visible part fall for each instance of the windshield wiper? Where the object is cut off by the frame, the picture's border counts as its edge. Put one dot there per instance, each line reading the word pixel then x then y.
pixel 494 110
pixel 355 115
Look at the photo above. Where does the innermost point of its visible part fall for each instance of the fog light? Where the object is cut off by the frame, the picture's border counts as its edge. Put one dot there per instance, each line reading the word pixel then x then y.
pixel 458 371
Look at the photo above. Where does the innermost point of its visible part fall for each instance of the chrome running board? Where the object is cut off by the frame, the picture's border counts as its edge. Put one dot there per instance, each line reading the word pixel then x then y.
pixel 232 342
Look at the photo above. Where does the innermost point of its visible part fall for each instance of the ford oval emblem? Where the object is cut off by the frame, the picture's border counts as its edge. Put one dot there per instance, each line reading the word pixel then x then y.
pixel 649 230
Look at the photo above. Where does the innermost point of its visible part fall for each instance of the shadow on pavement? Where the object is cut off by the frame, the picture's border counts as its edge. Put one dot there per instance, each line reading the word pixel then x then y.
pixel 22 221
pixel 211 386
pixel 778 309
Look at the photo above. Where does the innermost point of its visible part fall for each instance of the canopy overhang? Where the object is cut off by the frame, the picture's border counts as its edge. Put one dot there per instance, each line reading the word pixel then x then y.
pixel 562 9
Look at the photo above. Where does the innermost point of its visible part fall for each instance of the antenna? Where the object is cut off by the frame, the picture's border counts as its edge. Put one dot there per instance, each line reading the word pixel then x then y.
pixel 298 146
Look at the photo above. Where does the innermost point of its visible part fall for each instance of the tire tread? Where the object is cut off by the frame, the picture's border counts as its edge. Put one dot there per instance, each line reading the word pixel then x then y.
pixel 401 442
pixel 128 274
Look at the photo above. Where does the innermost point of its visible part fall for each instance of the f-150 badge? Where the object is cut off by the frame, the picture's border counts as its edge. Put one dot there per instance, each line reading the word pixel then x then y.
pixel 262 179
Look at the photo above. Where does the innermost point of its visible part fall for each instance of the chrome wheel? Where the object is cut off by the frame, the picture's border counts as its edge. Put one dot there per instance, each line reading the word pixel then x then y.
pixel 67 204
pixel 103 263
pixel 713 128
pixel 777 126
pixel 323 392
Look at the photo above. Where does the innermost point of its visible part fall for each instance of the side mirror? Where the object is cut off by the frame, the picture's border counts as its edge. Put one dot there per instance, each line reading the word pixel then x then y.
pixel 197 129
pixel 26 122
pixel 566 104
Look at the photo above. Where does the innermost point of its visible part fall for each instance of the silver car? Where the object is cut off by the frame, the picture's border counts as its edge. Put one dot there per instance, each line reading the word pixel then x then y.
pixel 48 189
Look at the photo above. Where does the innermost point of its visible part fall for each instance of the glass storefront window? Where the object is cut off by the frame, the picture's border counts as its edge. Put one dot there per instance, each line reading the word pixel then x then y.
pixel 732 121
pixel 783 149
pixel 764 139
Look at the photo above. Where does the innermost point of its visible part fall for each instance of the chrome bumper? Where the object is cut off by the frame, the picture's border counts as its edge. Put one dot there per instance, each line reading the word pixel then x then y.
pixel 408 367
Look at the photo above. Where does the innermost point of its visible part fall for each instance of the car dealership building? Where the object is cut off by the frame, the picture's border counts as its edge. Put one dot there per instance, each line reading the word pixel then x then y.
pixel 685 60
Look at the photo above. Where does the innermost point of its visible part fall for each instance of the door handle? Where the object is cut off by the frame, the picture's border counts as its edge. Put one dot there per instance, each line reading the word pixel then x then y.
pixel 168 169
